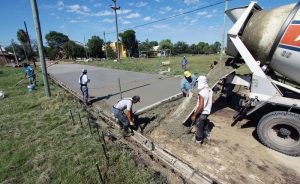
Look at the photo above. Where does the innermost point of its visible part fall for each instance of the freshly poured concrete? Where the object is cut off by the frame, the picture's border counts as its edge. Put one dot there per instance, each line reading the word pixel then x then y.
pixel 104 83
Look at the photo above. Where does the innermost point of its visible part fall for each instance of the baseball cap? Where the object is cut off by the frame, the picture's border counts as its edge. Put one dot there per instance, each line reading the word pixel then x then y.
pixel 187 74
pixel 84 70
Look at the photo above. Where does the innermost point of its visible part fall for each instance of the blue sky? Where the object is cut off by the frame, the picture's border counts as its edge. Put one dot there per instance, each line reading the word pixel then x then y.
pixel 81 19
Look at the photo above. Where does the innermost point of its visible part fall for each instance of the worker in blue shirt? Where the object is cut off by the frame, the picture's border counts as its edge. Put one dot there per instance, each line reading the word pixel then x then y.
pixel 184 63
pixel 29 72
pixel 187 83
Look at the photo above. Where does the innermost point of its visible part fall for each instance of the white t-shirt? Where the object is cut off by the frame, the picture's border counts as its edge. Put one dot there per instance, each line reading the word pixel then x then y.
pixel 206 93
pixel 84 79
pixel 123 104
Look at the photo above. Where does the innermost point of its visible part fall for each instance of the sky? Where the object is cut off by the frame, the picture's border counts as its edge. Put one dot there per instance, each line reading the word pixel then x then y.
pixel 82 19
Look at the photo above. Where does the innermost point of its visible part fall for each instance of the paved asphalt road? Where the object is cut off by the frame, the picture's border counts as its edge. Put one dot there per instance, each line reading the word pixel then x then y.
pixel 104 83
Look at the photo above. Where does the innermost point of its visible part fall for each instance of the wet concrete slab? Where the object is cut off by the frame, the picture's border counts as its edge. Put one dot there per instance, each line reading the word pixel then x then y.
pixel 104 84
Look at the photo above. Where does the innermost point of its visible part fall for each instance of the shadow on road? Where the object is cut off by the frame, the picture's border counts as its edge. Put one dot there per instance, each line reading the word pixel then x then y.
pixel 96 99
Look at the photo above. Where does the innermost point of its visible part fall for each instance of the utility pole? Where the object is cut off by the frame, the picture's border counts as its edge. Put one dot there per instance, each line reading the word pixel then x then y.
pixel 85 48
pixel 115 8
pixel 3 55
pixel 12 45
pixel 224 31
pixel 105 45
pixel 37 26
pixel 28 38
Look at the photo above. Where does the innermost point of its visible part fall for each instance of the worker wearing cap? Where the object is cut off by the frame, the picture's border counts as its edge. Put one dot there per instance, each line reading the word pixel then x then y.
pixel 187 83
pixel 127 119
pixel 83 81
pixel 184 63
pixel 203 110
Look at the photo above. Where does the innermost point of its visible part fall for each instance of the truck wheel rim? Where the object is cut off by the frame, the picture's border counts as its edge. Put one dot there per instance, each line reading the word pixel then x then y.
pixel 284 135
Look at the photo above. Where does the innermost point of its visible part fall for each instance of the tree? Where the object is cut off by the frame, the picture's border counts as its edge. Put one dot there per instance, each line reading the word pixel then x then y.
pixel 180 47
pixel 166 44
pixel 95 46
pixel 56 39
pixel 130 43
pixel 110 52
pixel 153 43
pixel 23 39
pixel 216 47
pixel 145 46
pixel 69 49
pixel 193 49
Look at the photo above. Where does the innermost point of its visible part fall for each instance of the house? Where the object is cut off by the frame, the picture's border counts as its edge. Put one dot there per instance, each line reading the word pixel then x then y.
pixel 113 45
pixel 6 57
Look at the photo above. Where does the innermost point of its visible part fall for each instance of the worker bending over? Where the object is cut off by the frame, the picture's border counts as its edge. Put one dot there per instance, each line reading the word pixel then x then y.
pixel 203 110
pixel 128 119
pixel 187 83
pixel 29 72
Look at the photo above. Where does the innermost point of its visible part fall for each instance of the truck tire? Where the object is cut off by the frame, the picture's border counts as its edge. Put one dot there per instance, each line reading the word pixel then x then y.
pixel 280 130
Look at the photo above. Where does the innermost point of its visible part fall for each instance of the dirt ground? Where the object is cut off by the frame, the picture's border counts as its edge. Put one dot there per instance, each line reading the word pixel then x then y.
pixel 234 154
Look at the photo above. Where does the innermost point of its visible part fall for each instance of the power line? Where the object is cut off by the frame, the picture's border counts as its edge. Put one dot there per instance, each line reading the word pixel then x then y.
pixel 172 16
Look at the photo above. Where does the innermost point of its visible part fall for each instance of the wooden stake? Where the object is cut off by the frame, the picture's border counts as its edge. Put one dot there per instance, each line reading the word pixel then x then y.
pixel 99 172
pixel 80 120
pixel 72 117
pixel 105 154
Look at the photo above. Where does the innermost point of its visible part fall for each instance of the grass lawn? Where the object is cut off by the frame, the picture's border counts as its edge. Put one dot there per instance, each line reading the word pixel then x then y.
pixel 198 64
pixel 39 144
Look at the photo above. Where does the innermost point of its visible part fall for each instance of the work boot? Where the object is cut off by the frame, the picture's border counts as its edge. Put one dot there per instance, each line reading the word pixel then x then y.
pixel 126 133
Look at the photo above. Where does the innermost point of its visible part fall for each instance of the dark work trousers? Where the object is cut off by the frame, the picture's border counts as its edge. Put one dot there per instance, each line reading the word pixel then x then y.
pixel 123 120
pixel 85 94
pixel 202 127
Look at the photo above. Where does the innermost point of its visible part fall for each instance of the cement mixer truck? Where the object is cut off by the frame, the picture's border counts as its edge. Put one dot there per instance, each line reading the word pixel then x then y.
pixel 268 42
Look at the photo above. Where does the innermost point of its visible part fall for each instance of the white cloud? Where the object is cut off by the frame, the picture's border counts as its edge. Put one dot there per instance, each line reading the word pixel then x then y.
pixel 125 11
pixel 147 18
pixel 125 22
pixel 194 20
pixel 131 4
pixel 76 8
pixel 209 16
pixel 133 15
pixel 73 8
pixel 85 8
pixel 141 4
pixel 108 20
pixel 190 2
pixel 202 13
pixel 165 10
pixel 60 5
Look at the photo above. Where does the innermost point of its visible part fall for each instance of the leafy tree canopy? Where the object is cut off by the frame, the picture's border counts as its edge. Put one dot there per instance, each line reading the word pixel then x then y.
pixel 95 46
pixel 130 43
pixel 56 39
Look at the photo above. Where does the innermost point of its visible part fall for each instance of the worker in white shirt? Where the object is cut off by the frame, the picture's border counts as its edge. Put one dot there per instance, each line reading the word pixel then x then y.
pixel 83 80
pixel 127 119
pixel 203 110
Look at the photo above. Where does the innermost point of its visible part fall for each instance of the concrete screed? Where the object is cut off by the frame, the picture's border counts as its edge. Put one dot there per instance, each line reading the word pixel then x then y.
pixel 234 156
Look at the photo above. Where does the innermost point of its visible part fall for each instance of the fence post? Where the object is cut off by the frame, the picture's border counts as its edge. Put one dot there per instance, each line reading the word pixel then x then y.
pixel 100 175
pixel 72 117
